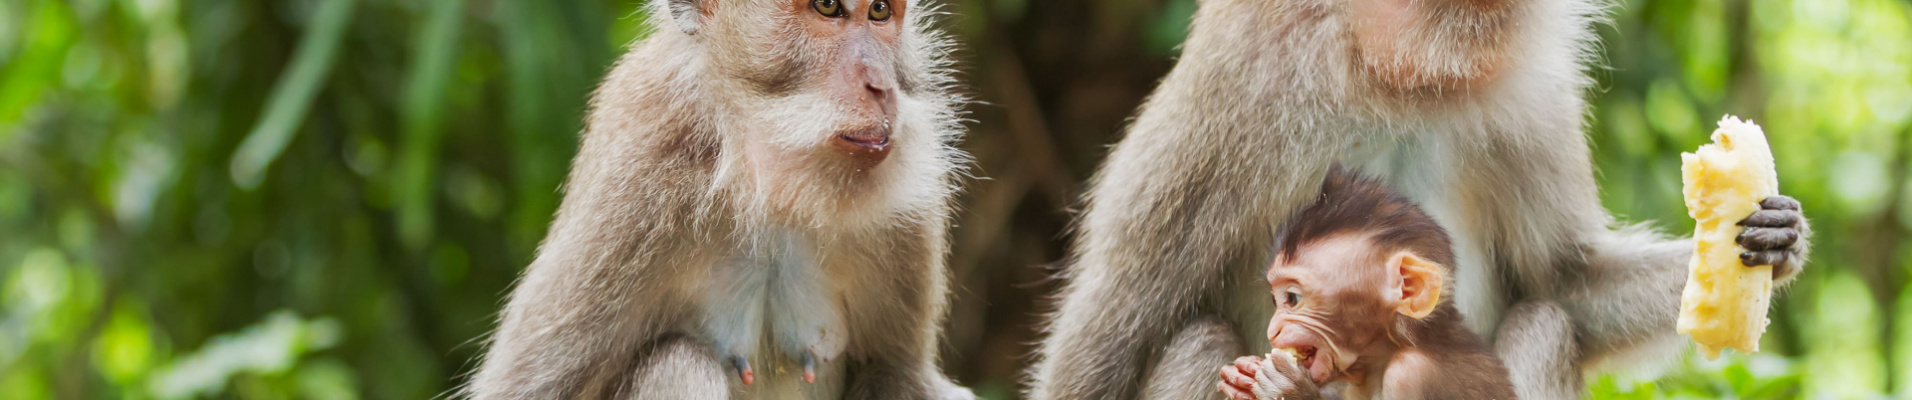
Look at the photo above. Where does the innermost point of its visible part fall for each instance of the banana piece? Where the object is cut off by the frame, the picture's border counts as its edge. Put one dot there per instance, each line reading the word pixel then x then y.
pixel 1725 302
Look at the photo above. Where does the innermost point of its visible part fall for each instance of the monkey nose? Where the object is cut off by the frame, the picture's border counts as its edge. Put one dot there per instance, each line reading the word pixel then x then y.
pixel 878 96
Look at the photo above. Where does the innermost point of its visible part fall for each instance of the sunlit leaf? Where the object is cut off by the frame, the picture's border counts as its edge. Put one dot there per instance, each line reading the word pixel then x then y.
pixel 270 347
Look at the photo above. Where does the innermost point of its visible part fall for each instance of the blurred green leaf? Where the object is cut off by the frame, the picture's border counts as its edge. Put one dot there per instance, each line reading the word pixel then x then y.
pixel 424 116
pixel 271 347
pixel 292 96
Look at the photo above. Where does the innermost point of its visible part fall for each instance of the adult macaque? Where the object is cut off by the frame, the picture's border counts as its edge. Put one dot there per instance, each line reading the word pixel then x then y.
pixel 757 211
pixel 1473 109
pixel 1359 286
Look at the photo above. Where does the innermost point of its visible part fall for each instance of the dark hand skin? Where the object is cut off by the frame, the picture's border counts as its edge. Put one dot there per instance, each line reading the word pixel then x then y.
pixel 1253 378
pixel 1775 235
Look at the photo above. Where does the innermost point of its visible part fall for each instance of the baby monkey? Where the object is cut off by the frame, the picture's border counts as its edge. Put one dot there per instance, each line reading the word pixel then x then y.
pixel 1357 282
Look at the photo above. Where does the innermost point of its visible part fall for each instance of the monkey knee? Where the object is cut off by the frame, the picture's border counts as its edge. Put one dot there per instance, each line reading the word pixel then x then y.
pixel 1538 344
pixel 1187 365
pixel 1206 337
pixel 1546 319
pixel 1537 335
pixel 680 368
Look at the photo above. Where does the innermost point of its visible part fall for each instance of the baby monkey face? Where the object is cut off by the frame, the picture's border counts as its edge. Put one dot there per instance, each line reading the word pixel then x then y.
pixel 1336 300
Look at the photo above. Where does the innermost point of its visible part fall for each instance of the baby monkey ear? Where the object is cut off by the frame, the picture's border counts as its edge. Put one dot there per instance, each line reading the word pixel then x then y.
pixel 688 15
pixel 1414 284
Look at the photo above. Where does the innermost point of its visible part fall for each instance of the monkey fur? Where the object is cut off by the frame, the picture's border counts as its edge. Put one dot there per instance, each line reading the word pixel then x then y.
pixel 757 210
pixel 1472 108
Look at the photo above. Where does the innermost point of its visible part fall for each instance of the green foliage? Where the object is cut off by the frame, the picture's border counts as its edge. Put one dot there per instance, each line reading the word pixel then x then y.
pixel 181 180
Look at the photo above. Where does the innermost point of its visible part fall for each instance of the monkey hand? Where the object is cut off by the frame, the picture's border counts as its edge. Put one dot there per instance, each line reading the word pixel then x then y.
pixel 1775 235
pixel 1255 378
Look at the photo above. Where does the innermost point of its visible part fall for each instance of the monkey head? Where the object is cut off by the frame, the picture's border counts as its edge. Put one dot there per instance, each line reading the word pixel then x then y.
pixel 1341 302
pixel 830 106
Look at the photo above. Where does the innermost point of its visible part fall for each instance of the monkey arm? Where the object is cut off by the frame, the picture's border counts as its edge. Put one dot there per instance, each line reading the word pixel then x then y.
pixel 570 327
pixel 1633 268
pixel 607 282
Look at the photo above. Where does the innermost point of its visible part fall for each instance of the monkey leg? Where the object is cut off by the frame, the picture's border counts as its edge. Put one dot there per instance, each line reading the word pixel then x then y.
pixel 1186 368
pixel 1536 341
pixel 680 368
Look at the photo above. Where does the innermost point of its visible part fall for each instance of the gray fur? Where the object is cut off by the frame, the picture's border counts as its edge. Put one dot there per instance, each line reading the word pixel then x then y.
pixel 1268 94
pixel 1189 362
pixel 702 224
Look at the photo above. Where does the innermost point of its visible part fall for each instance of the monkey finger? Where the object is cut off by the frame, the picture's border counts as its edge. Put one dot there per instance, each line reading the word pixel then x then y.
pixel 1757 239
pixel 1235 376
pixel 1772 219
pixel 1763 257
pixel 1234 393
pixel 1779 202
pixel 1247 364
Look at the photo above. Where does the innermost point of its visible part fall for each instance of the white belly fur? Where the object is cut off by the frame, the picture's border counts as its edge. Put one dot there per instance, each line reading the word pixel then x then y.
pixel 770 303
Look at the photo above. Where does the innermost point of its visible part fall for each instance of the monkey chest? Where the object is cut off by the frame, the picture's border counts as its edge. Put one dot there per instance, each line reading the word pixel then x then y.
pixel 770 309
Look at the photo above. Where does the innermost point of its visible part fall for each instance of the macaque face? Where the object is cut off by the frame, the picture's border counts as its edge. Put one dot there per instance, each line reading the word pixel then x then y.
pixel 825 82
pixel 1336 300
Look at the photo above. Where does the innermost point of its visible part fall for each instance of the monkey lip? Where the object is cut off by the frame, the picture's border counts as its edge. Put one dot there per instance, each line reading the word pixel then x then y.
pixel 865 147
pixel 870 139
pixel 1309 359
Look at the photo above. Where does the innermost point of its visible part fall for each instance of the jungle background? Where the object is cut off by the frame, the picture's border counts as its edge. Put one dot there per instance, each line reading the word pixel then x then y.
pixel 327 199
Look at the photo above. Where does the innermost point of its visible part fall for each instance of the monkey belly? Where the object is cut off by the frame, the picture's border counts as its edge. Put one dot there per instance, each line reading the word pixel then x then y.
pixel 769 309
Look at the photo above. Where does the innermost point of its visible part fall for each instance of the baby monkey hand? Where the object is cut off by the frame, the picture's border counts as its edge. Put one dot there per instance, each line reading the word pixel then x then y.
pixel 1275 378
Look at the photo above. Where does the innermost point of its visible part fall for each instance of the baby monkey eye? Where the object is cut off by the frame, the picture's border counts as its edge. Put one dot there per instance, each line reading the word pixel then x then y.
pixel 1289 298
pixel 829 8
pixel 880 10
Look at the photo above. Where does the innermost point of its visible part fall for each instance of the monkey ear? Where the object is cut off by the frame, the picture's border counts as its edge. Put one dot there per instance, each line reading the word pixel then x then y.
pixel 687 14
pixel 1414 284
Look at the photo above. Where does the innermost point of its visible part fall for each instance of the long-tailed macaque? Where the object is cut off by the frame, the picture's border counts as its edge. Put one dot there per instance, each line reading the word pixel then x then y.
pixel 1472 108
pixel 757 210
pixel 1361 303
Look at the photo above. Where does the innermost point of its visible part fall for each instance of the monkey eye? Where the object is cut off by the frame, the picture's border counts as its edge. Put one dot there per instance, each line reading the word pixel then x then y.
pixel 880 10
pixel 1289 298
pixel 829 8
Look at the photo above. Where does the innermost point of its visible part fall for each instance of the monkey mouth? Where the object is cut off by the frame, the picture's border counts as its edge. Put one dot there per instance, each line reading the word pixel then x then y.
pixel 868 139
pixel 1310 360
pixel 864 147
